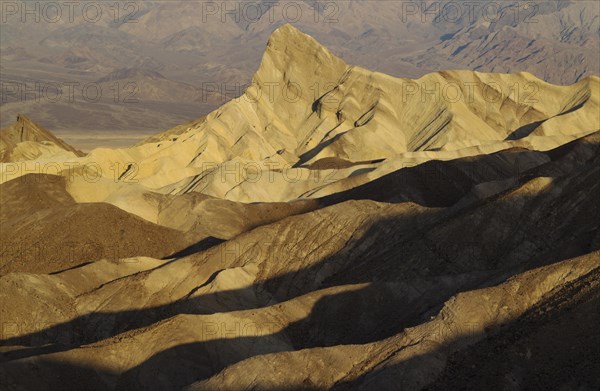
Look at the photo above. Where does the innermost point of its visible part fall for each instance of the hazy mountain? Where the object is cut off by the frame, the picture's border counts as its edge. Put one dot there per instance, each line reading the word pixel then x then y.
pixel 206 43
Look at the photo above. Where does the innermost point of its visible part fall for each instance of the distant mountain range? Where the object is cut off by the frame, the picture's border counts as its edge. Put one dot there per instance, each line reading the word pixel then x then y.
pixel 200 47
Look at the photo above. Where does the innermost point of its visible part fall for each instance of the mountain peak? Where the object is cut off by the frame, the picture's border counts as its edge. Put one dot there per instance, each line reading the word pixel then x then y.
pixel 292 56
pixel 24 129
pixel 287 32
pixel 289 39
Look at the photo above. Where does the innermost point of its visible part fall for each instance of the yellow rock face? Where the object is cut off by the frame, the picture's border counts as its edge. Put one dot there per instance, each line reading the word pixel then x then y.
pixel 304 105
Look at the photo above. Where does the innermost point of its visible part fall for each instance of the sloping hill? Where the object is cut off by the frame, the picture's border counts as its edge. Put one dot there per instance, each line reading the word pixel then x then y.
pixel 381 292
pixel 306 105
pixel 26 140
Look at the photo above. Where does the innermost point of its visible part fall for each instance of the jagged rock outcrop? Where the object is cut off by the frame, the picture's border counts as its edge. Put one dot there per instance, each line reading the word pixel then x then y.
pixel 26 140
pixel 307 106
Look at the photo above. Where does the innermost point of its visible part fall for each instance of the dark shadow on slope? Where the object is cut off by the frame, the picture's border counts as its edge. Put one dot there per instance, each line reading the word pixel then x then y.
pixel 361 171
pixel 589 145
pixel 333 320
pixel 528 231
pixel 57 375
pixel 306 156
pixel 394 250
pixel 524 131
pixel 412 242
pixel 202 245
pixel 330 322
pixel 554 345
pixel 335 163
pixel 443 183
pixel 439 183
pixel 71 268
pixel 559 333
pixel 19 353
pixel 527 129
pixel 432 184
